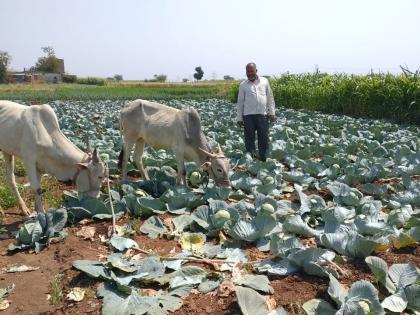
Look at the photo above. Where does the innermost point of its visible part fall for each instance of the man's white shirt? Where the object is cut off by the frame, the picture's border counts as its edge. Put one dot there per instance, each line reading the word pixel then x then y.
pixel 255 98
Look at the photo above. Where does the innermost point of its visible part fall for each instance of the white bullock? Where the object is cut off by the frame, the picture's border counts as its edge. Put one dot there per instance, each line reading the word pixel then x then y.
pixel 32 133
pixel 163 127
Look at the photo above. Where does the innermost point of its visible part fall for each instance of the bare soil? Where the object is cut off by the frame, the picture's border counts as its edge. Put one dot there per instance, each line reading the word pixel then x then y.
pixel 32 288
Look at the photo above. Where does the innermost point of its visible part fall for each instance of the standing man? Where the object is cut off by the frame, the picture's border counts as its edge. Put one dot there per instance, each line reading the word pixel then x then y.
pixel 255 110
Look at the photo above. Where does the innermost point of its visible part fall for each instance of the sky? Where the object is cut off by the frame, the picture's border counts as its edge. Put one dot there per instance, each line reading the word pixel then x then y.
pixel 139 38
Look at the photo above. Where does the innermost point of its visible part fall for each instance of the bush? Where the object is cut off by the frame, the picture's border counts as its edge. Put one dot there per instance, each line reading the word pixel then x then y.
pixel 91 81
pixel 376 95
pixel 228 78
pixel 69 78
pixel 3 74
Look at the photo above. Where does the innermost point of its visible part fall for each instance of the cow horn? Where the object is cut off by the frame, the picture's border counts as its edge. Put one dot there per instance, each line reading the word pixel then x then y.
pixel 208 153
pixel 95 156
pixel 219 149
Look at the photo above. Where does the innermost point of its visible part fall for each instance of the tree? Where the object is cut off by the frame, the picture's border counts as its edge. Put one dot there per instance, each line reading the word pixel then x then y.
pixel 198 75
pixel 160 77
pixel 48 63
pixel 228 78
pixel 5 59
pixel 118 77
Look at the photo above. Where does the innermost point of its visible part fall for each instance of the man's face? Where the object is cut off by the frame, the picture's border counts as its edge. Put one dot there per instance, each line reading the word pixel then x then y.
pixel 251 72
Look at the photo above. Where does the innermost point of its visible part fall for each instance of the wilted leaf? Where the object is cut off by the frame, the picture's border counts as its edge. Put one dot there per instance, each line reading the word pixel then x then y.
pixel 251 302
pixel 122 243
pixel 94 269
pixel 208 286
pixel 192 241
pixel 154 227
pixel 6 290
pixel 256 282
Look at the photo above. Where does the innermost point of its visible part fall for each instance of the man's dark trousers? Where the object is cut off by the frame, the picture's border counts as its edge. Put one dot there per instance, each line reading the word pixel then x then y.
pixel 259 124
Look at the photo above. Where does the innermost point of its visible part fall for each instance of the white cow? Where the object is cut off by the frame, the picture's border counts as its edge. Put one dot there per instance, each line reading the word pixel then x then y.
pixel 164 127
pixel 33 134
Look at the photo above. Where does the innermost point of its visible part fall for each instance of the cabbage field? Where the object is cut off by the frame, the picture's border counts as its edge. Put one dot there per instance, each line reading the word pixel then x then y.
pixel 329 224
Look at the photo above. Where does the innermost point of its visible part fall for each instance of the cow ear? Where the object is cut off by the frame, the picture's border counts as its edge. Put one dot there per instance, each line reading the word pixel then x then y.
pixel 206 166
pixel 95 156
pixel 82 166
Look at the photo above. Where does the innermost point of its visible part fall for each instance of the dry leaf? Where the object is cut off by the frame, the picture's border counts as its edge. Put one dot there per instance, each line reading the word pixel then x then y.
pixel 168 222
pixel 271 302
pixel 85 221
pixel 195 291
pixel 222 237
pixel 148 292
pixel 102 256
pixel 76 294
pixel 87 232
pixel 138 257
pixel 128 254
pixel 18 268
pixel 110 231
pixel 310 242
pixel 4 304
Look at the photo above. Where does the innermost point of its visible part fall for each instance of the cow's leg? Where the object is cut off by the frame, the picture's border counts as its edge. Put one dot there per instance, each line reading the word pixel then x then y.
pixel 138 158
pixel 10 177
pixel 35 181
pixel 181 172
pixel 128 146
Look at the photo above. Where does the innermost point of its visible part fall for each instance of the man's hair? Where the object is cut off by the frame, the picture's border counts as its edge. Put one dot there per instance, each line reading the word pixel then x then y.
pixel 249 64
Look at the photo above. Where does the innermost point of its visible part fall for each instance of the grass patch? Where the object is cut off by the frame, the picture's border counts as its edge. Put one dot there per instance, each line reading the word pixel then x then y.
pixel 376 95
pixel 7 197
pixel 52 197
pixel 19 168
pixel 57 296
pixel 126 90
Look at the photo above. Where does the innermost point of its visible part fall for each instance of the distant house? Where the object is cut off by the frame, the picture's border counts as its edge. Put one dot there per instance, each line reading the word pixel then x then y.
pixel 18 77
pixel 29 76
pixel 34 77
pixel 53 77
